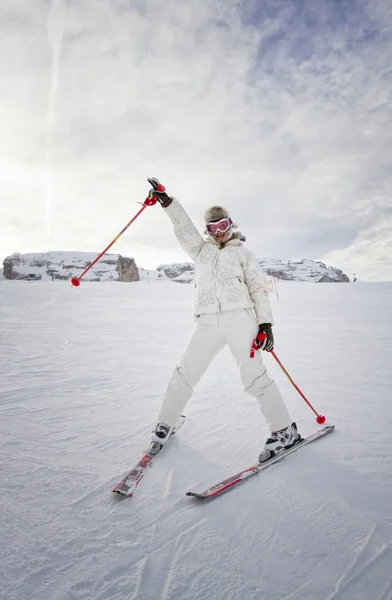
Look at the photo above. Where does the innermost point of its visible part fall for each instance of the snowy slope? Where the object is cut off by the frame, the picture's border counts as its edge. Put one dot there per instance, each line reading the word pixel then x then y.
pixel 148 275
pixel 82 373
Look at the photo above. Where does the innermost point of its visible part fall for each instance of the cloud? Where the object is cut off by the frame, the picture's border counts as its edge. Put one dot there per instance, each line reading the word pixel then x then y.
pixel 279 110
pixel 370 255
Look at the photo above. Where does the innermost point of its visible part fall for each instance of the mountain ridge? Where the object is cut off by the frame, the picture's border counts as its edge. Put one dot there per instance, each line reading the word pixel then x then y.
pixel 114 267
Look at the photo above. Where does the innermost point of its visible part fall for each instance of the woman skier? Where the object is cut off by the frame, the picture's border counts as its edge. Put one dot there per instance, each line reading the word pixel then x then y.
pixel 232 307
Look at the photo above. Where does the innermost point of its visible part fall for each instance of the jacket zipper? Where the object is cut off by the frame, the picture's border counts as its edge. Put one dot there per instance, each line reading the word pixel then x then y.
pixel 216 294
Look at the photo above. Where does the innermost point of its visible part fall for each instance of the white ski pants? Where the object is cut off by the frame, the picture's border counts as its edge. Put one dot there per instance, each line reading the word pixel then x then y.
pixel 237 329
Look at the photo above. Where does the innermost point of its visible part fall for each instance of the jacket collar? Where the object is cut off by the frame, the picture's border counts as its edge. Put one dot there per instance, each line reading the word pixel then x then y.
pixel 235 240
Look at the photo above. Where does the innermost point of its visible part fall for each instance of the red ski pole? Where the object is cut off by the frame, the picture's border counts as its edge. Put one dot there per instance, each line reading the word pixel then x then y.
pixel 256 345
pixel 150 201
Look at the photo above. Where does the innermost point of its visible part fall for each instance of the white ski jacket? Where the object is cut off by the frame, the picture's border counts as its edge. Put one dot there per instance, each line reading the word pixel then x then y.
pixel 227 278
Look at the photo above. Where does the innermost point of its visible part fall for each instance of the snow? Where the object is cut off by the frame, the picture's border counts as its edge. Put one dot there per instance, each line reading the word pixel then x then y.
pixel 148 275
pixel 83 371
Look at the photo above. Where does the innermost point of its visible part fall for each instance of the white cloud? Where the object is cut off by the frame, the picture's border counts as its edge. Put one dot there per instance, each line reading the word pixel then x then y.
pixel 283 117
pixel 369 257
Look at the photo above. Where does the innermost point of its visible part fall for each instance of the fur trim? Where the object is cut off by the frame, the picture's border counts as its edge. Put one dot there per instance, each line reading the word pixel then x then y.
pixel 238 236
pixel 231 236
pixel 216 213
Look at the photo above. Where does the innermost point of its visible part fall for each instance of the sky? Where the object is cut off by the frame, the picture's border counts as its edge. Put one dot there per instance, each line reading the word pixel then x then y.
pixel 279 110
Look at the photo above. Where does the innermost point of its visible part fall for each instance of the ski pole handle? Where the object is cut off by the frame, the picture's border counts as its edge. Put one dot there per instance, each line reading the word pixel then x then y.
pixel 257 343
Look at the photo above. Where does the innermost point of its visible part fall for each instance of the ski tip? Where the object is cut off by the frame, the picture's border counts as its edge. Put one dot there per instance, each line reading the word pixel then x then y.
pixel 122 494
pixel 196 495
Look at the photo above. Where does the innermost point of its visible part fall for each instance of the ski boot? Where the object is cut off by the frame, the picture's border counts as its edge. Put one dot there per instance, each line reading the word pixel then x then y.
pixel 159 436
pixel 280 440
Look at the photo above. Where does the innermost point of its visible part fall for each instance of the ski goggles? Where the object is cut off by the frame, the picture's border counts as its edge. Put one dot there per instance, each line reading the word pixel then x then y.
pixel 222 226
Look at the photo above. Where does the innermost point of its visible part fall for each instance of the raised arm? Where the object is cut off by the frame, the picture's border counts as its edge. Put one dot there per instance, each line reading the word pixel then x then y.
pixel 186 233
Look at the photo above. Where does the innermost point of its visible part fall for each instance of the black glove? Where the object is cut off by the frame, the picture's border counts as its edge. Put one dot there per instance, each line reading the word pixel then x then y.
pixel 158 191
pixel 268 343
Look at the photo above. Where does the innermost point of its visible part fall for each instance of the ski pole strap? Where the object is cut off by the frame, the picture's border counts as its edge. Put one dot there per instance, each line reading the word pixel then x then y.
pixel 257 343
pixel 255 346
pixel 150 201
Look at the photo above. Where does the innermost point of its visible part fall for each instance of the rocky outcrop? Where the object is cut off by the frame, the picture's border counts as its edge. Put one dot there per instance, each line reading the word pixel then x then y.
pixel 178 272
pixel 328 279
pixel 127 269
pixel 303 270
pixel 65 265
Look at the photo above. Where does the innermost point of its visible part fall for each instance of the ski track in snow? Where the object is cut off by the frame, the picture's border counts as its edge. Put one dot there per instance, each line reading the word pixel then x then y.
pixel 366 559
pixel 82 374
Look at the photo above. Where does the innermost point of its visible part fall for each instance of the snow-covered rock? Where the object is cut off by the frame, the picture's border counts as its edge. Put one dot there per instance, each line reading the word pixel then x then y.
pixel 64 265
pixel 178 272
pixel 303 270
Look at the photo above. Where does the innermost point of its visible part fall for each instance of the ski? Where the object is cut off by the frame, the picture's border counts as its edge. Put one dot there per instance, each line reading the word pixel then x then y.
pixel 131 480
pixel 230 482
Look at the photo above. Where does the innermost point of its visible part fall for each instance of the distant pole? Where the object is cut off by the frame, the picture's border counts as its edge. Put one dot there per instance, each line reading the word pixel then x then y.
pixel 148 277
pixel 276 288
